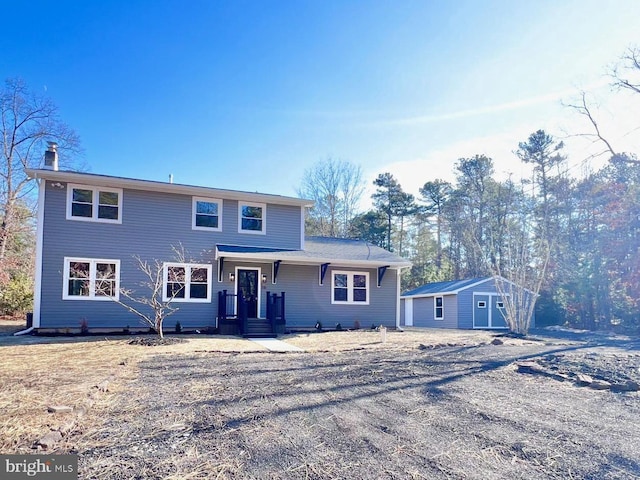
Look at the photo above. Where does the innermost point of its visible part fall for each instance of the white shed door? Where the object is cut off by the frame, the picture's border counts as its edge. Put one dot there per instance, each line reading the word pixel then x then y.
pixel 408 312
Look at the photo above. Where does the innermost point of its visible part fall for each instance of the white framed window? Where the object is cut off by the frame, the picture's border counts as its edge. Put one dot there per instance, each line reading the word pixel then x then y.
pixel 252 217
pixel 94 204
pixel 91 279
pixel 350 288
pixel 482 304
pixel 186 282
pixel 438 308
pixel 499 304
pixel 206 214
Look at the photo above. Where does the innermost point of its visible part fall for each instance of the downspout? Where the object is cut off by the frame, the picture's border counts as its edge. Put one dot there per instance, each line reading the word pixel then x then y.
pixel 24 332
pixel 398 292
pixel 398 298
pixel 37 283
pixel 302 232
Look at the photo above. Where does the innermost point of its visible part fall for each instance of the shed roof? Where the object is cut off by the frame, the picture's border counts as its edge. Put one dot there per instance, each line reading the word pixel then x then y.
pixel 443 288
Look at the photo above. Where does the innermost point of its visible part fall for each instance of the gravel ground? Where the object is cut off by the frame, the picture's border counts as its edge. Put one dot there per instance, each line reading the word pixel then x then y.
pixel 460 412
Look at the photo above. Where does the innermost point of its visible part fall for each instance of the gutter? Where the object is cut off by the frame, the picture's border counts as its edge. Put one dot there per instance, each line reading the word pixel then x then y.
pixel 156 186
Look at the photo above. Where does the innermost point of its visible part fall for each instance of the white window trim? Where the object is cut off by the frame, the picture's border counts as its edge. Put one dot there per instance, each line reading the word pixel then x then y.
pixel 350 275
pixel 484 304
pixel 435 307
pixel 187 283
pixel 194 204
pixel 92 279
pixel 95 196
pixel 263 206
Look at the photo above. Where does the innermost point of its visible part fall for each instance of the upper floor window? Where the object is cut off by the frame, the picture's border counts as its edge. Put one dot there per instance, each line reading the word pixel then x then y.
pixel 207 214
pixel 91 279
pixel 186 282
pixel 94 204
pixel 438 311
pixel 251 217
pixel 350 287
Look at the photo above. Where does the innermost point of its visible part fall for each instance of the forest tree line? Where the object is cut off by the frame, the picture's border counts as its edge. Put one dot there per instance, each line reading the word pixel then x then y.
pixel 576 240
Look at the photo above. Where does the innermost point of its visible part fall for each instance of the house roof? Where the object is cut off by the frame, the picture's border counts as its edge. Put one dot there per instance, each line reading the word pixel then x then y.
pixel 151 185
pixel 318 250
pixel 444 288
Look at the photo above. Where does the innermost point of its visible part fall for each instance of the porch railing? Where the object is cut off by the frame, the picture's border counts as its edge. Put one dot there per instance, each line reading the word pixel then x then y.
pixel 232 313
pixel 276 312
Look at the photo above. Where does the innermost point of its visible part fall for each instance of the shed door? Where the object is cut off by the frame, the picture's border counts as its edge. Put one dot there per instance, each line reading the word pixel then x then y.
pixel 497 313
pixel 481 311
pixel 408 312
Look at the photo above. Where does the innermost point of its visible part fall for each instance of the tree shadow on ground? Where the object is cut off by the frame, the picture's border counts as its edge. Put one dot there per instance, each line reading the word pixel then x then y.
pixel 589 338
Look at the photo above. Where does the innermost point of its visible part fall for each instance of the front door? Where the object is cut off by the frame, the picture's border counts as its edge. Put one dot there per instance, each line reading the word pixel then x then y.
pixel 248 285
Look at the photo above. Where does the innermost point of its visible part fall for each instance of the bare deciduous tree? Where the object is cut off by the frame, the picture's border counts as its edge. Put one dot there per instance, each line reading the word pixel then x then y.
pixel 525 274
pixel 583 108
pixel 626 74
pixel 149 302
pixel 27 121
pixel 336 187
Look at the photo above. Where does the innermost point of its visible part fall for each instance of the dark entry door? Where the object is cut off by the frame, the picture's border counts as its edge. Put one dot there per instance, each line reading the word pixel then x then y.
pixel 248 286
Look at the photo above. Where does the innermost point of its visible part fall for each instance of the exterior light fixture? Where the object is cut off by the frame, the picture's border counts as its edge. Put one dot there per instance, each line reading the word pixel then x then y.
pixel 264 278
pixel 232 277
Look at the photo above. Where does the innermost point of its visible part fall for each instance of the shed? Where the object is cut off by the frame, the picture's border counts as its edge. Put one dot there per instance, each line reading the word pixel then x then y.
pixel 466 304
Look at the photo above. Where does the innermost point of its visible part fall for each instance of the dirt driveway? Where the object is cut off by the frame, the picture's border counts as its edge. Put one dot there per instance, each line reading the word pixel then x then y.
pixel 432 411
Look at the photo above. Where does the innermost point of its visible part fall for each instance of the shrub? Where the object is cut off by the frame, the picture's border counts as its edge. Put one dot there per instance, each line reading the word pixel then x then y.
pixel 338 327
pixel 178 327
pixel 16 296
pixel 319 326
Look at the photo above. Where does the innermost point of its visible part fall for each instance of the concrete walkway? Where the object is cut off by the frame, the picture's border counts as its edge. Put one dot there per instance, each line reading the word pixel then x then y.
pixel 276 345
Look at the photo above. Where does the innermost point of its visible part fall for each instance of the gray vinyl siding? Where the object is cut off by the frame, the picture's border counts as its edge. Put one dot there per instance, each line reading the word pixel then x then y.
pixel 307 302
pixel 450 312
pixel 423 312
pixel 152 223
pixel 402 313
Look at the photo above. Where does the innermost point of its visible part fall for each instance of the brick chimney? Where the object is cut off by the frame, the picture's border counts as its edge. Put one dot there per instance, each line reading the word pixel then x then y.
pixel 51 157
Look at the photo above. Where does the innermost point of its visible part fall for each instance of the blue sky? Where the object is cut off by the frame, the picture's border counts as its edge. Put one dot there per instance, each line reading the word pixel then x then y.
pixel 247 94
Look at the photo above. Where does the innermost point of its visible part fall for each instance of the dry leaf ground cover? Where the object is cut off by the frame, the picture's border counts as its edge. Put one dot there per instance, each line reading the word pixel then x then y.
pixel 431 404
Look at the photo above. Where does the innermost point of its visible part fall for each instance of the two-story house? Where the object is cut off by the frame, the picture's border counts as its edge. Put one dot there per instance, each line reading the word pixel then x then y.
pixel 239 247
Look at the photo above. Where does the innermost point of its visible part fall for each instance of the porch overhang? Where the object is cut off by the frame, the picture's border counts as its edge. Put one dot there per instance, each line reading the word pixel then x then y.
pixel 278 256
